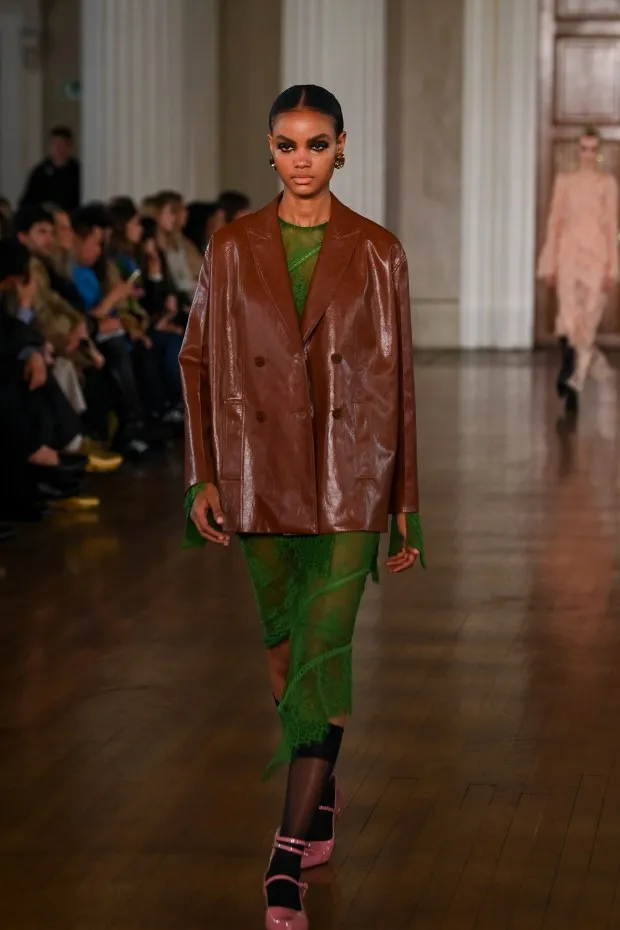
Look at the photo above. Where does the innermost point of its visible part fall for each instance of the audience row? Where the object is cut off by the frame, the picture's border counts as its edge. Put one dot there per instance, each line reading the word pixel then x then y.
pixel 93 307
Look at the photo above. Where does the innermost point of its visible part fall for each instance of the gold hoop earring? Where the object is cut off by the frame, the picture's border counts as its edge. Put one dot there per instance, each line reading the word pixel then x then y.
pixel 339 161
pixel 600 158
pixel 272 163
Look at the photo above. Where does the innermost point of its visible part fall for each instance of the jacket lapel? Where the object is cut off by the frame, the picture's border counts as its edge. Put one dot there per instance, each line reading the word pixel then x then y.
pixel 268 253
pixel 341 237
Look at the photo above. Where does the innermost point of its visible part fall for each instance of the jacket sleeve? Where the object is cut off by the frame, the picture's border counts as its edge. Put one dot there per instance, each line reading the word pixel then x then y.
pixel 548 262
pixel 404 497
pixel 195 379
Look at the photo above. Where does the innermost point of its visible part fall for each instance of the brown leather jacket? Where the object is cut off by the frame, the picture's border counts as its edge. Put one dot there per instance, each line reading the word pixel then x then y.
pixel 304 429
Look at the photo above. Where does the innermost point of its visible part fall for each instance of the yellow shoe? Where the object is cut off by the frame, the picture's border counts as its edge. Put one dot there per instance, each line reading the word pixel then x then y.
pixel 102 462
pixel 81 502
pixel 100 459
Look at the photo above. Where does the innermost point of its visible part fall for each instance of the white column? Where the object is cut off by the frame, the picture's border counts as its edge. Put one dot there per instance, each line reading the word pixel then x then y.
pixel 139 92
pixel 12 95
pixel 32 42
pixel 341 45
pixel 499 174
pixel 202 95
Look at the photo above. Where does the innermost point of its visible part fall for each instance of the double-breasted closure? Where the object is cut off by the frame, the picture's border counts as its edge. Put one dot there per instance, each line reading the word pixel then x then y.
pixel 304 428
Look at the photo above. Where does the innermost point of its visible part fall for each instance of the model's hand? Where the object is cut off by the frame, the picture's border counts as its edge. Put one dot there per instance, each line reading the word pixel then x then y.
pixel 208 501
pixel 407 556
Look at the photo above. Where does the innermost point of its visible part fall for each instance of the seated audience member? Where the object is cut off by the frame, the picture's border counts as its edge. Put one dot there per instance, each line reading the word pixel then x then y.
pixel 193 255
pixel 57 178
pixel 150 328
pixel 102 308
pixel 61 321
pixel 203 219
pixel 234 205
pixel 159 296
pixel 173 250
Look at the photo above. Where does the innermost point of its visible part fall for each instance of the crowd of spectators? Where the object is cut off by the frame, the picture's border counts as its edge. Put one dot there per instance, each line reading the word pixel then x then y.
pixel 94 299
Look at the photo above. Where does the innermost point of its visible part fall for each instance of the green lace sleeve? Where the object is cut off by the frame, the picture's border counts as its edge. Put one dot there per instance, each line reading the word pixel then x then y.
pixel 414 537
pixel 191 536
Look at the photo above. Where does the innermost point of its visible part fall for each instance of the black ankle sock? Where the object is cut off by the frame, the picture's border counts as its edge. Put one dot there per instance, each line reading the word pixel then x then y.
pixel 284 894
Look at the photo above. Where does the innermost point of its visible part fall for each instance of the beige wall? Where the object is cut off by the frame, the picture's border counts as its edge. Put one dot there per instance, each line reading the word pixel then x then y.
pixel 249 83
pixel 425 43
pixel 61 62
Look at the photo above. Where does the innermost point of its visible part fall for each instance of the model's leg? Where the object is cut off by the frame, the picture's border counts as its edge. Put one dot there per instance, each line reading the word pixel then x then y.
pixel 587 318
pixel 317 697
pixel 270 570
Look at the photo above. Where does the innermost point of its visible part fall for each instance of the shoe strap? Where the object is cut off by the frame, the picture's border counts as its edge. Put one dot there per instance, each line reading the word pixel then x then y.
pixel 328 810
pixel 290 844
pixel 303 887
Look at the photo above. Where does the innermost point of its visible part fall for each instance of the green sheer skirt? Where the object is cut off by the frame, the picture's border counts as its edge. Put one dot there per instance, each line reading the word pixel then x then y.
pixel 308 591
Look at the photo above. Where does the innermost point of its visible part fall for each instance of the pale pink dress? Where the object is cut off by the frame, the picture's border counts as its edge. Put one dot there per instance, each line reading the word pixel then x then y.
pixel 581 251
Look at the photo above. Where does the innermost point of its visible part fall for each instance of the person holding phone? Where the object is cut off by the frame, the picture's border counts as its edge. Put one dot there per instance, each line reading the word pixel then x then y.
pixel 152 339
pixel 297 368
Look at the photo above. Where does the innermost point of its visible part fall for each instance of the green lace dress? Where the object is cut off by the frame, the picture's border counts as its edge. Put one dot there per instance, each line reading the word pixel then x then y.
pixel 308 588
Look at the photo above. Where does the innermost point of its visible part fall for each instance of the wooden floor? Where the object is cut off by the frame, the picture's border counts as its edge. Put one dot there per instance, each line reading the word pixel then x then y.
pixel 481 769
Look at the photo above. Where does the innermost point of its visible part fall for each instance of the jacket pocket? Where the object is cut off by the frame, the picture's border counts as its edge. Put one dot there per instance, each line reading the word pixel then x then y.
pixel 364 453
pixel 232 457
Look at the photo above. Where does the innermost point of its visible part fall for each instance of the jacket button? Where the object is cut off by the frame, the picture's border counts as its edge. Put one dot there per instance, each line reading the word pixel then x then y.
pixel 259 361
pixel 337 413
pixel 261 416
pixel 336 358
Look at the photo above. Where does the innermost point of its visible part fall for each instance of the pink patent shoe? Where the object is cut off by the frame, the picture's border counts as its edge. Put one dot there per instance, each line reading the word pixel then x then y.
pixel 284 918
pixel 320 852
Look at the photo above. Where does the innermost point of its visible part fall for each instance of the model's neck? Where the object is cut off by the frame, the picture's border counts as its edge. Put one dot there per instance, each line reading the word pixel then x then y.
pixel 311 211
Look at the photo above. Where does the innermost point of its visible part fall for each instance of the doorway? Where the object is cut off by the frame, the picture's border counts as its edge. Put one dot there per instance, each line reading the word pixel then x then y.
pixel 579 84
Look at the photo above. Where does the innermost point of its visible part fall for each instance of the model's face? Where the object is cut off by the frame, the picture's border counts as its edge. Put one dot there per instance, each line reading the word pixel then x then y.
pixel 167 219
pixel 589 148
pixel 133 230
pixel 304 145
pixel 39 238
pixel 88 250
pixel 63 231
